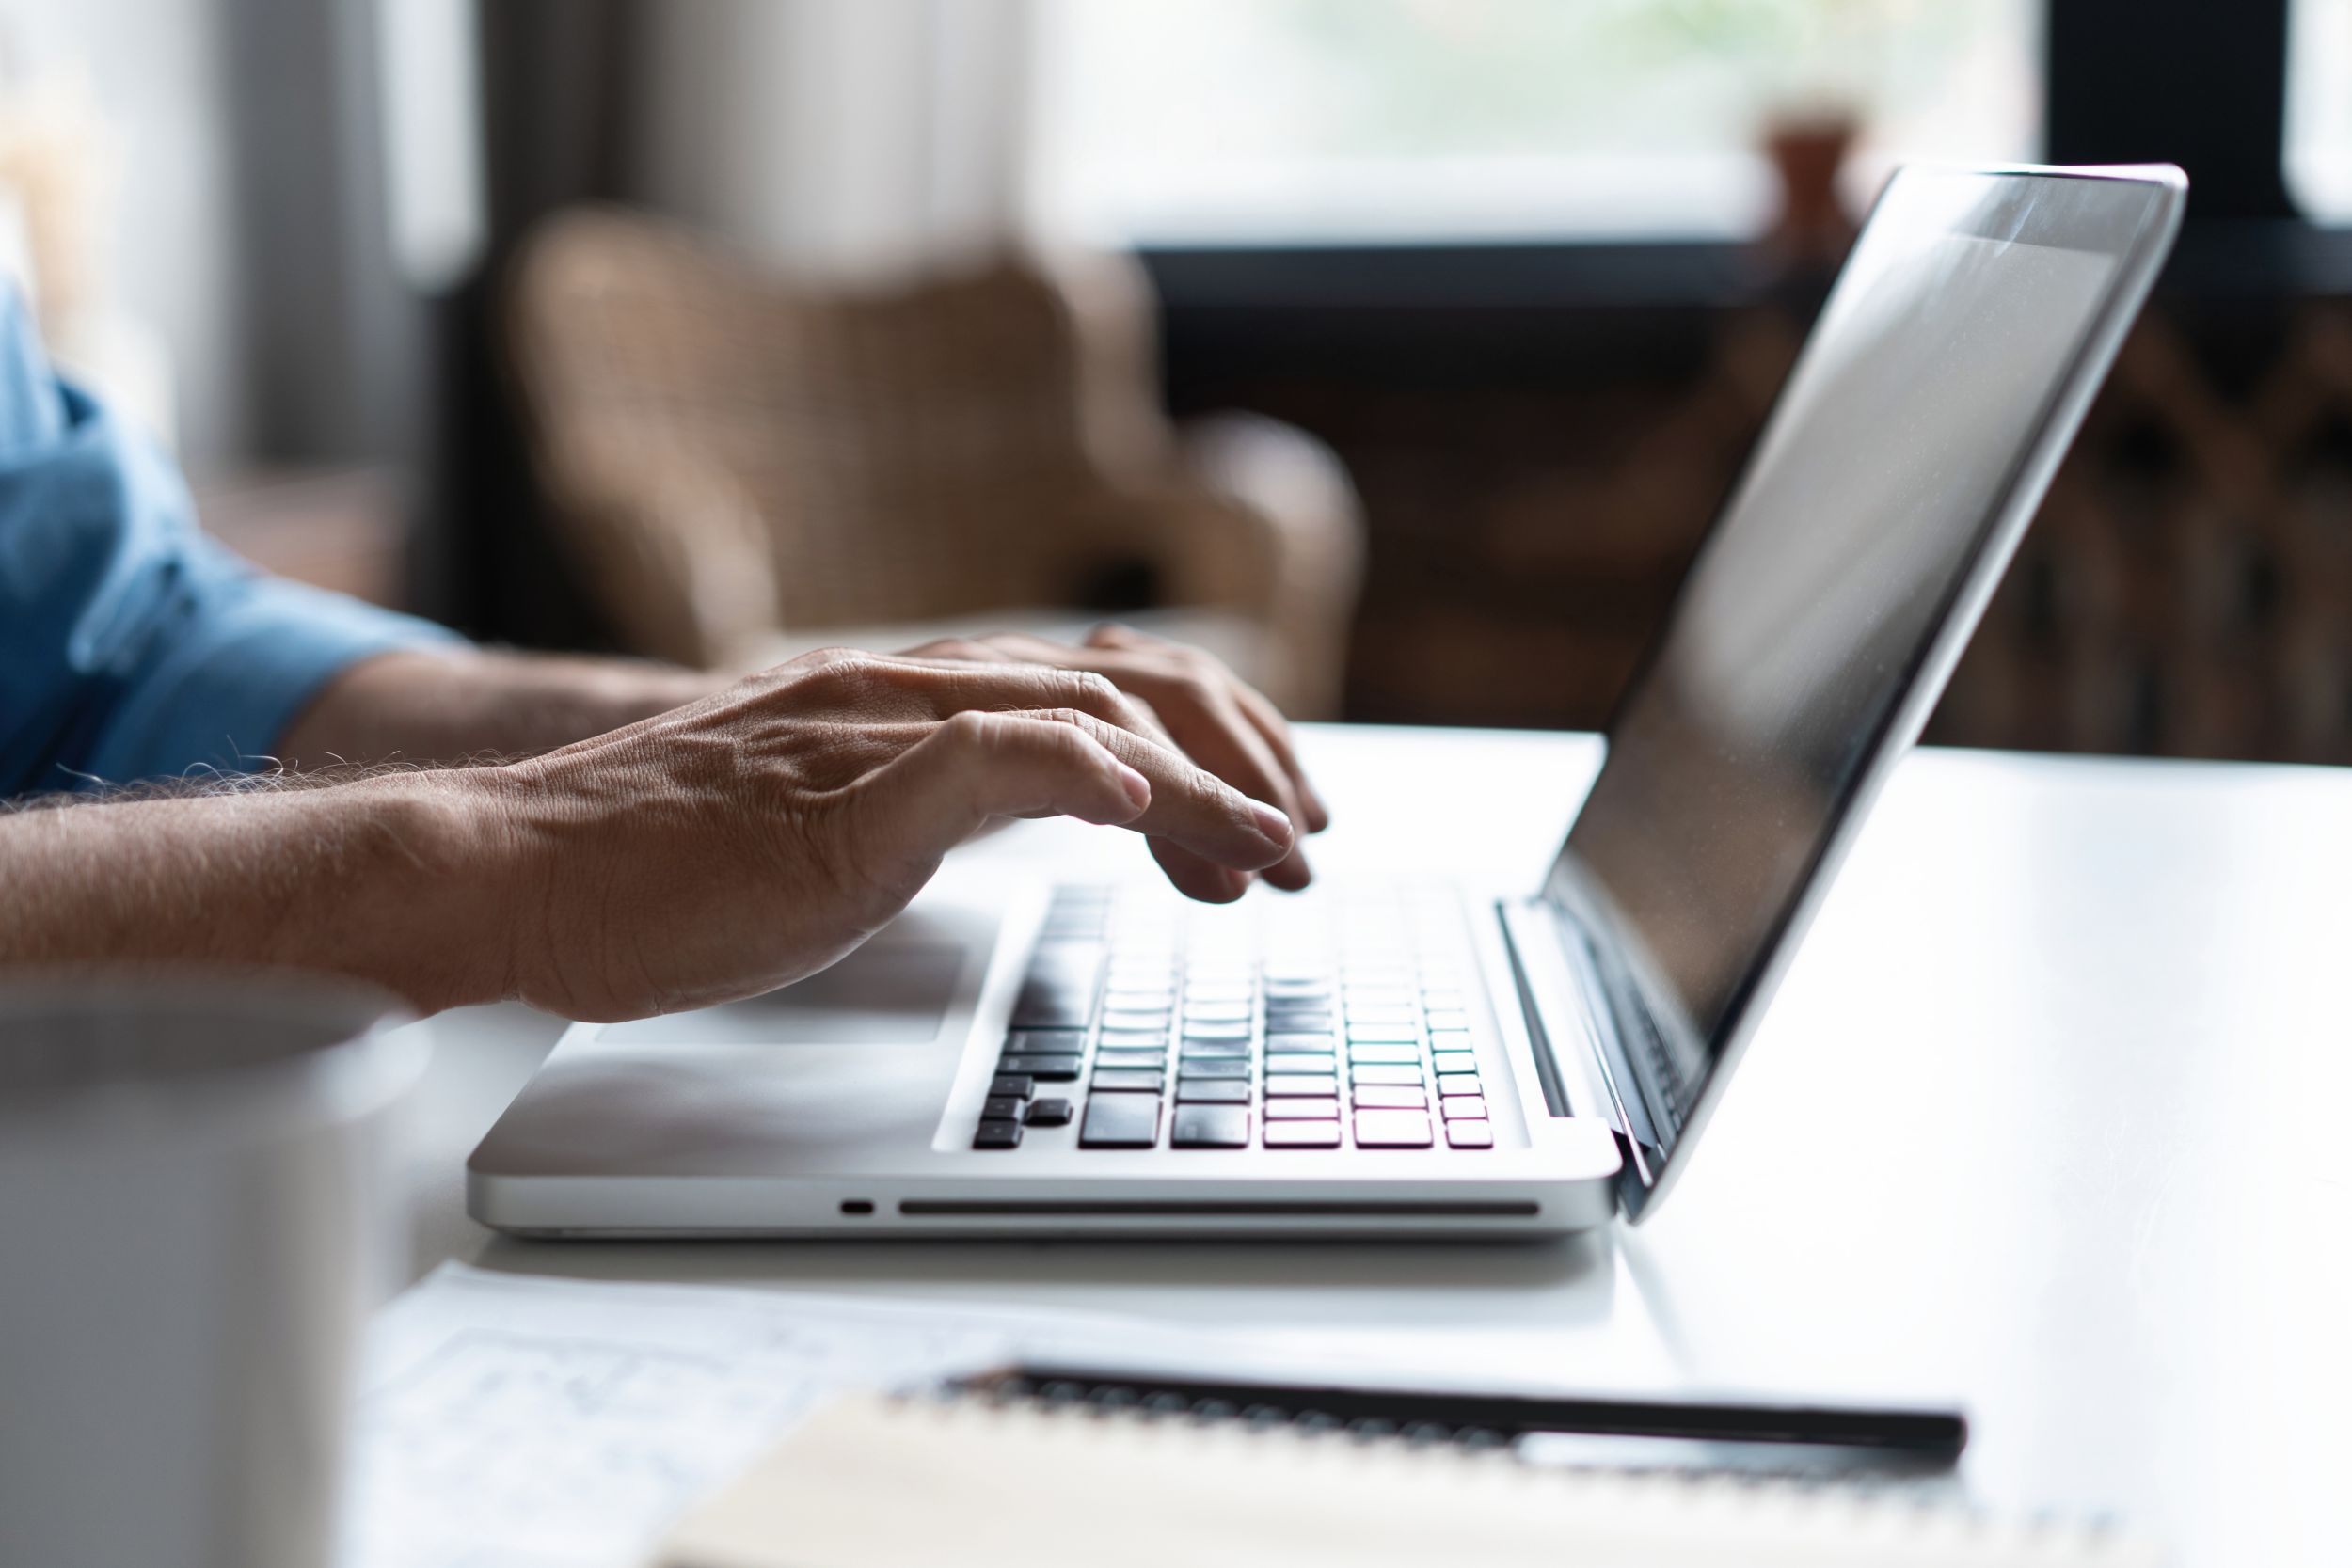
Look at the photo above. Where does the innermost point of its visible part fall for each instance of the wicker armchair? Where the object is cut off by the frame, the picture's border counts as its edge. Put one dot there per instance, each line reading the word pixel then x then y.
pixel 745 468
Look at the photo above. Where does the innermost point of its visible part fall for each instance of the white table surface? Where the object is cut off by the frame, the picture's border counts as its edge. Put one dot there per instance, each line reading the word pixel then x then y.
pixel 2049 1117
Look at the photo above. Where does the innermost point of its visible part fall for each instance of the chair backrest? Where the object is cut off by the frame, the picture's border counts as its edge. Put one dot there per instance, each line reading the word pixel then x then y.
pixel 913 454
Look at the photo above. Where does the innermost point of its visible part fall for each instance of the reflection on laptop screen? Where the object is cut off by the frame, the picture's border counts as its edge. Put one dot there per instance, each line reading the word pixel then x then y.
pixel 1882 474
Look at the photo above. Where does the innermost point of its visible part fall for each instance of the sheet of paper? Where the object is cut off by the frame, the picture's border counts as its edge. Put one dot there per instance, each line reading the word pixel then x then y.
pixel 508 1421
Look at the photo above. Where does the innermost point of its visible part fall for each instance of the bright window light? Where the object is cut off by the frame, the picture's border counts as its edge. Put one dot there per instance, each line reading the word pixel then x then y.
pixel 1268 121
pixel 2319 108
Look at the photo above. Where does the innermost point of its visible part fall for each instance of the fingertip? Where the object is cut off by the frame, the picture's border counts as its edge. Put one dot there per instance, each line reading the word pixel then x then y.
pixel 1199 878
pixel 1292 874
pixel 1272 825
pixel 1137 787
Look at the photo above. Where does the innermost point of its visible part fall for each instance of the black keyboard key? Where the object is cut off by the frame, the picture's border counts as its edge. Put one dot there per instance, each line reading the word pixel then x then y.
pixel 1051 1010
pixel 1217 1067
pixel 1059 991
pixel 1125 1079
pixel 1058 1069
pixel 1045 1043
pixel 1049 1113
pixel 1000 1107
pixel 1009 1086
pixel 1215 1092
pixel 997 1135
pixel 1209 1127
pixel 1120 1121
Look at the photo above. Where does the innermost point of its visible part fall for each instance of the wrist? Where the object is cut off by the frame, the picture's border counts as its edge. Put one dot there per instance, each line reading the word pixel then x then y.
pixel 454 935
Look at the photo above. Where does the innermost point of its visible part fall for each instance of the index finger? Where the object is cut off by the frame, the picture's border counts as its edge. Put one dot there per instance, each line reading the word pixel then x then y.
pixel 1191 806
pixel 1256 708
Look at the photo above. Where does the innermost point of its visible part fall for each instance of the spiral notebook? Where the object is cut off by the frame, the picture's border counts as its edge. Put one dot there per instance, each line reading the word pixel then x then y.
pixel 872 1482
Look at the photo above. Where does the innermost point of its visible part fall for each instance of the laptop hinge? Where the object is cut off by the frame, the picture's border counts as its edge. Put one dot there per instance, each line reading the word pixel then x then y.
pixel 1579 1056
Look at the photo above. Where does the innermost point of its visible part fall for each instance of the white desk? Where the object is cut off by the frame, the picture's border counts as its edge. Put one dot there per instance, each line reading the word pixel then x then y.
pixel 2049 1117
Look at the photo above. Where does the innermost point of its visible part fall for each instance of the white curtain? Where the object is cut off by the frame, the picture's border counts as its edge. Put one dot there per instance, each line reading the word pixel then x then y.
pixel 865 140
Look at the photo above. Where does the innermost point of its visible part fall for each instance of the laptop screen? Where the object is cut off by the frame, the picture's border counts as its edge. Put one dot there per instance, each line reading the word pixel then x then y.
pixel 1887 472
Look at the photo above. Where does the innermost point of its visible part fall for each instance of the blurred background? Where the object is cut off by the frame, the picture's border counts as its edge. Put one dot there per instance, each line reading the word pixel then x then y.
pixel 1399 349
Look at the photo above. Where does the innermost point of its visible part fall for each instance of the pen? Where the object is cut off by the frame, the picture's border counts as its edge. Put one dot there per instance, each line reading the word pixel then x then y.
pixel 1483 1419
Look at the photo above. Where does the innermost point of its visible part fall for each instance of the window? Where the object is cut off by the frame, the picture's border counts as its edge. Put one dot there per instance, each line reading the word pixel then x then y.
pixel 1272 120
pixel 2319 108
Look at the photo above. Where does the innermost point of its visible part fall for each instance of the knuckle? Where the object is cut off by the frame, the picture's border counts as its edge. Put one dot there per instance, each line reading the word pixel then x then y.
pixel 811 671
pixel 844 670
pixel 1200 687
pixel 1093 688
pixel 972 729
pixel 1205 663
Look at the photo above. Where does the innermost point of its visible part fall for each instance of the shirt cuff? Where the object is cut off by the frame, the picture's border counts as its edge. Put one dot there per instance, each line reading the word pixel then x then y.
pixel 241 672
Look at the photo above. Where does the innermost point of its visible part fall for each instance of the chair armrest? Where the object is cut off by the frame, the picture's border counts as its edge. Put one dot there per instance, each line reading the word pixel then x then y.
pixel 677 548
pixel 1268 521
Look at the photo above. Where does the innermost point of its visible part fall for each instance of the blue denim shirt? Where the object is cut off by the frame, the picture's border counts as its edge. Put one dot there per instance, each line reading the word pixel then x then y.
pixel 131 645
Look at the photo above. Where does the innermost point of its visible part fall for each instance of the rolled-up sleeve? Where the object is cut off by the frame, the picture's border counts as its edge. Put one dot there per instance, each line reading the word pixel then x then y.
pixel 131 645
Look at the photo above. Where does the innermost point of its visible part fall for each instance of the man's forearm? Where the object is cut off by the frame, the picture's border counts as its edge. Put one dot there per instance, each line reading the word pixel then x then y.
pixel 407 880
pixel 434 705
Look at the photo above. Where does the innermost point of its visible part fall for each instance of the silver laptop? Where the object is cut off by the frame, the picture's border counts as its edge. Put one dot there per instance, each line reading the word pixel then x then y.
pixel 1410 1060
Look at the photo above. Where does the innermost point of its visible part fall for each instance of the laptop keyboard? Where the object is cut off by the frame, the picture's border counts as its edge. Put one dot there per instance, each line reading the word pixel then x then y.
pixel 1323 1022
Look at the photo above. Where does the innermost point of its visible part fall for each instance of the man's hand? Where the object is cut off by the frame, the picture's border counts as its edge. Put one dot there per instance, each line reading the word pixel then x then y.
pixel 744 841
pixel 713 851
pixel 1194 702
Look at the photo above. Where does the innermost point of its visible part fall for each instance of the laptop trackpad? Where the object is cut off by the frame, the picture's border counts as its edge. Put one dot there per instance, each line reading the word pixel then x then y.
pixel 894 991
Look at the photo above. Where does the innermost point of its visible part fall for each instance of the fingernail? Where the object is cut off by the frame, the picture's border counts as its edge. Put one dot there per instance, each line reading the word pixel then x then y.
pixel 1138 788
pixel 1272 824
